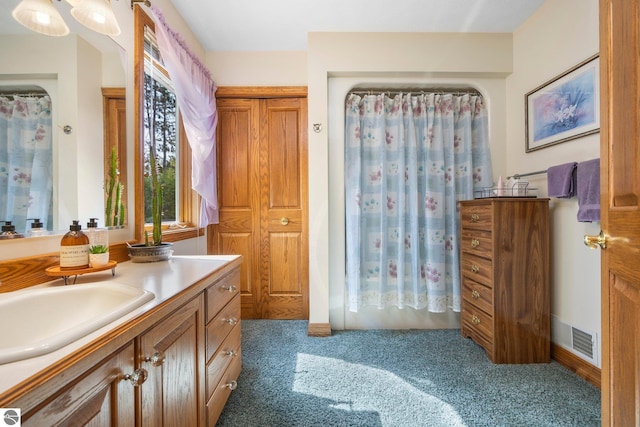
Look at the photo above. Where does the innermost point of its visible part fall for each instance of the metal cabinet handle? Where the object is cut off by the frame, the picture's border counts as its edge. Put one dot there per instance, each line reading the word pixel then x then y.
pixel 231 288
pixel 475 268
pixel 232 321
pixel 284 220
pixel 475 319
pixel 231 353
pixel 475 294
pixel 475 243
pixel 231 385
pixel 156 359
pixel 475 217
pixel 137 377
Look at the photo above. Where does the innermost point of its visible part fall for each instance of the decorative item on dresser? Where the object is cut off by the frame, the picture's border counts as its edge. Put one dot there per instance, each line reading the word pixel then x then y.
pixel 505 277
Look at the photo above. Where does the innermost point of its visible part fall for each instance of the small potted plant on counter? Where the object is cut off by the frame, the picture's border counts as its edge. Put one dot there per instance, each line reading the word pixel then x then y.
pixel 98 256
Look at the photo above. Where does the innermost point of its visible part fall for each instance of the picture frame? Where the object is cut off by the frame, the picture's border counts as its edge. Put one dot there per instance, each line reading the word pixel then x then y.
pixel 564 108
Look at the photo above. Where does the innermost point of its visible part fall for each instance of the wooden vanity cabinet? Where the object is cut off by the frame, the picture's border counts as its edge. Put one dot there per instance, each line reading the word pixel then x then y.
pixel 504 265
pixel 171 352
pixel 187 358
pixel 99 398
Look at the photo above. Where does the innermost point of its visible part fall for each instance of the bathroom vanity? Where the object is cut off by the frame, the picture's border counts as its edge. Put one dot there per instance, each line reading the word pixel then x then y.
pixel 173 361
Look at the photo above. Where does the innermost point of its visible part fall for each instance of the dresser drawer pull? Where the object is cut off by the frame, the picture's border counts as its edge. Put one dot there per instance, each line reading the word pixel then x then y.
pixel 231 385
pixel 231 353
pixel 232 321
pixel 475 217
pixel 475 294
pixel 231 288
pixel 475 243
pixel 475 268
pixel 475 319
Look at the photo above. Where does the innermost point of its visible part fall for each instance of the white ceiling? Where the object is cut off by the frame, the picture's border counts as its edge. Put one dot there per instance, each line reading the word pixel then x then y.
pixel 261 25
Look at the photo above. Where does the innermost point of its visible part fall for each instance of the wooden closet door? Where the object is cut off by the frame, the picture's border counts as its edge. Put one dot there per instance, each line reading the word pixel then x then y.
pixel 620 210
pixel 262 193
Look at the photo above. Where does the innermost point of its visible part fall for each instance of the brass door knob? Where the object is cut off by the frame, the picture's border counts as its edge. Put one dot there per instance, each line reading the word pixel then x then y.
pixel 284 220
pixel 594 241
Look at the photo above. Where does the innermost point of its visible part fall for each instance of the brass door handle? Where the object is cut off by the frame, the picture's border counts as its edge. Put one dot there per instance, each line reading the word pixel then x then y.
pixel 594 241
pixel 284 220
pixel 475 243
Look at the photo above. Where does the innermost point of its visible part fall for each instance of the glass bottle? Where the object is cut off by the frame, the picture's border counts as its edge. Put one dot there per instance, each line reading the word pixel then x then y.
pixel 74 248
pixel 37 229
pixel 97 236
pixel 9 231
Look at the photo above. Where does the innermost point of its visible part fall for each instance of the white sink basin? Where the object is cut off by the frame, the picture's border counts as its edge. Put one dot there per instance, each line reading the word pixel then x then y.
pixel 39 321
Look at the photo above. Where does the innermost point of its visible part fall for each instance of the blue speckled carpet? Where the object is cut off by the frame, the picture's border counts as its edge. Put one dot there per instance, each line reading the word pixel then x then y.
pixel 395 378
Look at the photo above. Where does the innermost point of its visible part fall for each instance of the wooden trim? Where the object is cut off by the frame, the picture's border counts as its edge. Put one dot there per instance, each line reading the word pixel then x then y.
pixel 261 92
pixel 575 364
pixel 319 330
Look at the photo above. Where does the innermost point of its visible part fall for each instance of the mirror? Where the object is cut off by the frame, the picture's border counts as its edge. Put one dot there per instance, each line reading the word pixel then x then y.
pixel 73 70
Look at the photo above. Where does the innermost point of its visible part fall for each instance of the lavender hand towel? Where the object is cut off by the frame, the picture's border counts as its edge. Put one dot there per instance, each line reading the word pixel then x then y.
pixel 589 190
pixel 561 181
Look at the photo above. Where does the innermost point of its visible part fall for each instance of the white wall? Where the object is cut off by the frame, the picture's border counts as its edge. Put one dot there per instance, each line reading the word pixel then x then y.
pixel 560 35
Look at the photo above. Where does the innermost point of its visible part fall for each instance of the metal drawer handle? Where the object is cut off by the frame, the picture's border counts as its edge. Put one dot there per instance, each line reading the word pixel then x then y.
pixel 475 268
pixel 232 321
pixel 475 294
pixel 231 385
pixel 475 217
pixel 231 353
pixel 231 288
pixel 475 319
pixel 475 243
pixel 136 378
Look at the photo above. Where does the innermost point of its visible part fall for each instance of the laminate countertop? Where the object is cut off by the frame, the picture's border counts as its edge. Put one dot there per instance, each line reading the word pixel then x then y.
pixel 172 282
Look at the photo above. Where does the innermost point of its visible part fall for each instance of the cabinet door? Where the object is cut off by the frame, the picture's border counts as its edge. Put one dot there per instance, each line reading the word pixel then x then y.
pixel 172 353
pixel 101 398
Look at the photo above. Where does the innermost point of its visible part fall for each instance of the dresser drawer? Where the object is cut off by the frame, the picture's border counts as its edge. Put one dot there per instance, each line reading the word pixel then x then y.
pixel 478 295
pixel 222 324
pixel 220 293
pixel 222 391
pixel 476 242
pixel 476 268
pixel 477 322
pixel 479 217
pixel 226 353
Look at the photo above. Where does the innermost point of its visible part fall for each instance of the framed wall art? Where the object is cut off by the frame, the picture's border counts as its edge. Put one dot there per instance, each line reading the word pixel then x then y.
pixel 564 108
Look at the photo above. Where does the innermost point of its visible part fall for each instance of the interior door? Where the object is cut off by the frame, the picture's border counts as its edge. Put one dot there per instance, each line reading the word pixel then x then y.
pixel 620 213
pixel 262 196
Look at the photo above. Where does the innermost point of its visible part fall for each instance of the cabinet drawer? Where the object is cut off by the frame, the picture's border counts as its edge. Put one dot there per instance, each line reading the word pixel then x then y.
pixel 226 353
pixel 220 293
pixel 476 268
pixel 222 391
pixel 222 324
pixel 476 242
pixel 477 294
pixel 479 217
pixel 476 320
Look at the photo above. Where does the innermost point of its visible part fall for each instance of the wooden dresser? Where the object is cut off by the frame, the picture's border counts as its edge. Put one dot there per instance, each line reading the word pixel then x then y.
pixel 504 266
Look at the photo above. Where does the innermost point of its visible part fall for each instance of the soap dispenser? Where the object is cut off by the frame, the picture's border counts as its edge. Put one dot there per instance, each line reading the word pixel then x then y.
pixel 9 231
pixel 36 229
pixel 97 236
pixel 74 248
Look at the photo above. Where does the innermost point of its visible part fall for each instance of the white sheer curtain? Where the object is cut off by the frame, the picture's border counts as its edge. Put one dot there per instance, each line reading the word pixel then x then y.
pixel 408 161
pixel 195 92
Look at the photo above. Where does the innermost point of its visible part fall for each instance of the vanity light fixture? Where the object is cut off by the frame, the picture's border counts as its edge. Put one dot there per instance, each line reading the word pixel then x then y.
pixel 97 16
pixel 40 16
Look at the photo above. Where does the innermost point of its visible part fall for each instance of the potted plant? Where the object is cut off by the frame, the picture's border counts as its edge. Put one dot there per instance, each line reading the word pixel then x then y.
pixel 153 249
pixel 98 256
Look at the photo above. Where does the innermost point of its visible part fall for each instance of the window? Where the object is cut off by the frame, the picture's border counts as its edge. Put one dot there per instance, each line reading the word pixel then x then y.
pixel 159 131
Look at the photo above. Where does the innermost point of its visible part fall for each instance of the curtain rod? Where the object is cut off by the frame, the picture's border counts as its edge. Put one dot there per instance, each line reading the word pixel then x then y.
pixel 520 175
pixel 396 91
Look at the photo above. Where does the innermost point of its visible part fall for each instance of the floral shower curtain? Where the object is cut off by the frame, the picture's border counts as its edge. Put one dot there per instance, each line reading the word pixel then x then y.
pixel 26 177
pixel 408 160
